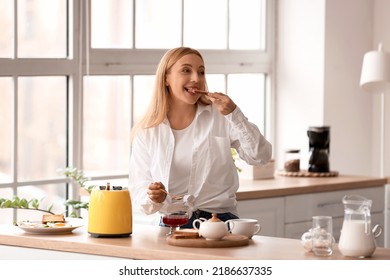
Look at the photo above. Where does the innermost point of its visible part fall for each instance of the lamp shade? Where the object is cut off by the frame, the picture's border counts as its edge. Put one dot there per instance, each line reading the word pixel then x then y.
pixel 375 76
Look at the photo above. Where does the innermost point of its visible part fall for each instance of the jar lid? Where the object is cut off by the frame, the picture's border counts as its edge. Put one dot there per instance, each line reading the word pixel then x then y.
pixel 319 128
pixel 293 151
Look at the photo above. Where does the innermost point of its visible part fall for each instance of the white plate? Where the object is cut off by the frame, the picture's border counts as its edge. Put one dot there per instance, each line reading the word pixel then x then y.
pixel 38 227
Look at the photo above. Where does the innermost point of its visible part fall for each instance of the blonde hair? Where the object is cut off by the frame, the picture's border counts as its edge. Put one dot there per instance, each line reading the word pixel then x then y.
pixel 159 105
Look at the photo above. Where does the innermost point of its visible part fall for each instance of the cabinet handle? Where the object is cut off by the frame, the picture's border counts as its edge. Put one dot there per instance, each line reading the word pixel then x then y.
pixel 326 204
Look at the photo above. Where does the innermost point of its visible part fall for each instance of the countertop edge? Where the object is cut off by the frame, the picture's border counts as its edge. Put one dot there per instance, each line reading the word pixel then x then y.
pixel 100 247
pixel 147 244
pixel 284 186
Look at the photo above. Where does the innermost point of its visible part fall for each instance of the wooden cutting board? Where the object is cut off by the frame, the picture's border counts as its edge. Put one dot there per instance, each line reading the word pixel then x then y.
pixel 230 240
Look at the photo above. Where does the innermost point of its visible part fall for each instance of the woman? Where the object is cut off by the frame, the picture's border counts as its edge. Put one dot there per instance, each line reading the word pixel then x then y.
pixel 183 143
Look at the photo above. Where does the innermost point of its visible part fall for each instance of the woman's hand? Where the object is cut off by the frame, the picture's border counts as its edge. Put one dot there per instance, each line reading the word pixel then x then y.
pixel 223 102
pixel 155 192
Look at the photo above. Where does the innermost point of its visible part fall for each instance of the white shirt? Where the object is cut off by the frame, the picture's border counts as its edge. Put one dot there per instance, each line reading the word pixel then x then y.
pixel 213 177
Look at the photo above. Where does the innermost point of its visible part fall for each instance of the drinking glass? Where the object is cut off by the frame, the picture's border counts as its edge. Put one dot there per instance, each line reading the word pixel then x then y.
pixel 322 236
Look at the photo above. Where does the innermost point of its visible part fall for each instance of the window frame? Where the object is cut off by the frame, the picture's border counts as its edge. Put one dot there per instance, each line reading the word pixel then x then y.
pixel 144 61
pixel 83 61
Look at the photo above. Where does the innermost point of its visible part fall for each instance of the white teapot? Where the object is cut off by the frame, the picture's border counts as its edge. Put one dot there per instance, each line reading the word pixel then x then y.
pixel 212 229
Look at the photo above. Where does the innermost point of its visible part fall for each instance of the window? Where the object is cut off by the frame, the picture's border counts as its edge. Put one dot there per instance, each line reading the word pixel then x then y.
pixel 70 92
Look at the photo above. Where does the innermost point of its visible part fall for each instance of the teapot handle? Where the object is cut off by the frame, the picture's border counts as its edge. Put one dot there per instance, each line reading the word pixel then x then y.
pixel 200 220
pixel 377 231
pixel 230 224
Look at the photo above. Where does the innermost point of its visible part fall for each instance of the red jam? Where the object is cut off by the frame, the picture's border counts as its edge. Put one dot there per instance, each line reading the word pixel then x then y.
pixel 175 221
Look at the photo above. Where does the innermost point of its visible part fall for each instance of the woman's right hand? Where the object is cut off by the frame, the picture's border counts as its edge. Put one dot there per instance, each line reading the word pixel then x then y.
pixel 155 192
pixel 224 103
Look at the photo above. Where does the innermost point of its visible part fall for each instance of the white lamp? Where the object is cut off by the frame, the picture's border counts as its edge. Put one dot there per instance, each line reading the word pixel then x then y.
pixel 375 78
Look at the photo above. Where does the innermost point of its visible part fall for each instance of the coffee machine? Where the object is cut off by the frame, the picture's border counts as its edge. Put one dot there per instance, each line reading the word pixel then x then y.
pixel 319 139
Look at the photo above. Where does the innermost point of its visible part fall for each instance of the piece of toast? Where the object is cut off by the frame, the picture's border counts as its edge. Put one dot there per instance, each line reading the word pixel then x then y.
pixel 185 234
pixel 53 218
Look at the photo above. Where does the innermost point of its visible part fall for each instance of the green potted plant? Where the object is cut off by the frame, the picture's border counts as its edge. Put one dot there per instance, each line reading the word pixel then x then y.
pixel 75 175
pixel 236 158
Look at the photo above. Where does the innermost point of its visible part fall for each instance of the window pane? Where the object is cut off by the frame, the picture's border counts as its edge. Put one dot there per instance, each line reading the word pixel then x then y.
pixel 158 24
pixel 42 28
pixel 51 195
pixel 247 91
pixel 106 124
pixel 7 29
pixel 205 24
pixel 112 24
pixel 6 216
pixel 41 127
pixel 246 19
pixel 6 128
pixel 143 90
pixel 216 83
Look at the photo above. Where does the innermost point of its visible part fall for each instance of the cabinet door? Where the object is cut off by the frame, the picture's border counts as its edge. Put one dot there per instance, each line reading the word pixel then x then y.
pixel 300 208
pixel 268 211
pixel 295 230
pixel 387 217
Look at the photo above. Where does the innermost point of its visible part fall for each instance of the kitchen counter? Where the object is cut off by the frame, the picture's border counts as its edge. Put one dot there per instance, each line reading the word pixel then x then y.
pixel 283 186
pixel 149 243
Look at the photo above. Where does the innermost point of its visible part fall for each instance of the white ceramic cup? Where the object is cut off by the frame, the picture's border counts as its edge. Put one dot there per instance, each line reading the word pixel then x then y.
pixel 246 227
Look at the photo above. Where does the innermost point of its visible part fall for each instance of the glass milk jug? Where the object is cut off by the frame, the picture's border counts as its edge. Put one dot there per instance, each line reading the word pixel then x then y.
pixel 357 238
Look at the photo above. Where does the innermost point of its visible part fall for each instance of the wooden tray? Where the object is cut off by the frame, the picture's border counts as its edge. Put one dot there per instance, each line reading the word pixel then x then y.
pixel 230 240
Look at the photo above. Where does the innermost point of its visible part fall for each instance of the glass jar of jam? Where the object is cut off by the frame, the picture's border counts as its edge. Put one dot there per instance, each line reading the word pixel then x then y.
pixel 292 160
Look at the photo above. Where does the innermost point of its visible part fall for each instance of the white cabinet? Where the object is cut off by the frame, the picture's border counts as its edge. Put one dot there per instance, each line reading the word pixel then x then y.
pixel 299 210
pixel 291 216
pixel 387 217
pixel 295 230
pixel 268 211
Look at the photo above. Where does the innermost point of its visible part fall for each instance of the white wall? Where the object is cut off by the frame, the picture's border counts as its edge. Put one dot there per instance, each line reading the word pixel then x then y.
pixel 381 33
pixel 348 109
pixel 320 48
pixel 299 73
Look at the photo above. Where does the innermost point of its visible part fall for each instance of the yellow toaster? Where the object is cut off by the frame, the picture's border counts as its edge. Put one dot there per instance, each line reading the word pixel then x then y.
pixel 110 212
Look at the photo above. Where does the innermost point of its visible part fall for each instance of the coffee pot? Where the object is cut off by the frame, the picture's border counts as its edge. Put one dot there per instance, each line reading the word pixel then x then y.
pixel 319 140
pixel 357 238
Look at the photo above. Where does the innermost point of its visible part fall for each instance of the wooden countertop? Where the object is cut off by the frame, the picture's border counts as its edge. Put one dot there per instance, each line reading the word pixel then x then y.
pixel 149 243
pixel 283 186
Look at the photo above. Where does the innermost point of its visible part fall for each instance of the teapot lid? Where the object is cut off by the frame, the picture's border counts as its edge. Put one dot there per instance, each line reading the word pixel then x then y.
pixel 214 218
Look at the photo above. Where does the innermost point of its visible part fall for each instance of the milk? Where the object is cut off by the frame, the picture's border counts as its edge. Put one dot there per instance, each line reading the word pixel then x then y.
pixel 354 241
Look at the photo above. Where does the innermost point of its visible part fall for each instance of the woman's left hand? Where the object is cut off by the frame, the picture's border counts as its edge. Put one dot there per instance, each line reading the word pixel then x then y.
pixel 223 102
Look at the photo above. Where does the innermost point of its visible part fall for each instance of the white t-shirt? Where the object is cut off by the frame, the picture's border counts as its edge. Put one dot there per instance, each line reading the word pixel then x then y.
pixel 180 172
